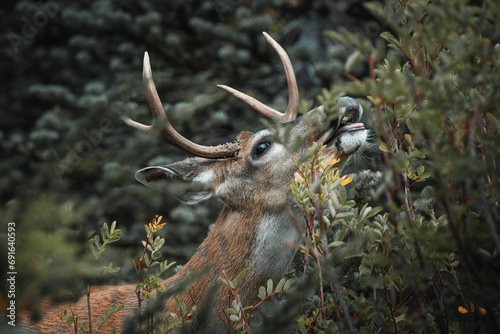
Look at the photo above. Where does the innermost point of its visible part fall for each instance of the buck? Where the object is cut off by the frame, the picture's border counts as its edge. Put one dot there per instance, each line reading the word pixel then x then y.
pixel 251 176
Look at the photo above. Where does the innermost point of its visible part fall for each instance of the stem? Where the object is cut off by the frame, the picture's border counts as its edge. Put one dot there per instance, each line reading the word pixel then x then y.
pixel 343 305
pixel 64 323
pixel 408 201
pixel 236 296
pixel 138 269
pixel 88 306
pixel 321 288
pixel 390 309
pixel 398 145
pixel 143 254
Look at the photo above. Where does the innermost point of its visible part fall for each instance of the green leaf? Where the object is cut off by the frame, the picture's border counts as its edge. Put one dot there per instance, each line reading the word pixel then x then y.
pixel 178 303
pixel 393 42
pixel 336 244
pixel 83 327
pixel 96 241
pixel 90 234
pixel 280 284
pixel 310 209
pixel 269 286
pixel 148 295
pixel 420 169
pixel 373 212
pixel 114 238
pixel 70 320
pixel 240 276
pixel 384 148
pixel 345 214
pixel 425 175
pixel 159 243
pixel 156 255
pixel 223 280
pixel 262 292
pixel 408 137
pixel 352 61
pixel 104 232
pixel 94 250
pixel 235 304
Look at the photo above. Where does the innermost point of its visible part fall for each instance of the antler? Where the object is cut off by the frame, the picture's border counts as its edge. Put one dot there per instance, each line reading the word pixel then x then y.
pixel 293 91
pixel 170 135
pixel 226 150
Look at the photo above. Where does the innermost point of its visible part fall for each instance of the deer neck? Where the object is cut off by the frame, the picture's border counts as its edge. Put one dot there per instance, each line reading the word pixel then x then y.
pixel 273 244
pixel 241 239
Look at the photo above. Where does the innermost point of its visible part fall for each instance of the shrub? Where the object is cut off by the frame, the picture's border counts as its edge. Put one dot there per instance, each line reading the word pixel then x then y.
pixel 428 253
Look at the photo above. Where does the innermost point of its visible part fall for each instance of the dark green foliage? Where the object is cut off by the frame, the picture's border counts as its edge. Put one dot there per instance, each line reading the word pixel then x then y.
pixel 427 262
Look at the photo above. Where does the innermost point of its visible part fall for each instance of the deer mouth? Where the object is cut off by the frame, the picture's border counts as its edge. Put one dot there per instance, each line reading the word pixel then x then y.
pixel 346 134
pixel 348 122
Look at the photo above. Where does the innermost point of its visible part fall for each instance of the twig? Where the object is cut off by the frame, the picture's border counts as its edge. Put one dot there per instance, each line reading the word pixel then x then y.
pixel 390 309
pixel 89 288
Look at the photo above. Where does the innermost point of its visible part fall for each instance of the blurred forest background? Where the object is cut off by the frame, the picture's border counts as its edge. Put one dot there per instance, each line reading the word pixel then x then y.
pixel 71 68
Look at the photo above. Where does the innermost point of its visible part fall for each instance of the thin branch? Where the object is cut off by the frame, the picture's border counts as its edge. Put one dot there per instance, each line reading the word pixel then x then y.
pixel 390 309
pixel 89 288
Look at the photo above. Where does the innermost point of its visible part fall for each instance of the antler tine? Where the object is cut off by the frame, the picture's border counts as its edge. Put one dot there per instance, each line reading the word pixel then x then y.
pixel 170 135
pixel 293 91
pixel 154 101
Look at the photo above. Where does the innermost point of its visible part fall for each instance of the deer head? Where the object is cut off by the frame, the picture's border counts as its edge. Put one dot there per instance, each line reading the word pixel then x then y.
pixel 255 170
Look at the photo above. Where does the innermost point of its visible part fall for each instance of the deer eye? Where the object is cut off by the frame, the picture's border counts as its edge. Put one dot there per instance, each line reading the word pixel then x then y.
pixel 261 148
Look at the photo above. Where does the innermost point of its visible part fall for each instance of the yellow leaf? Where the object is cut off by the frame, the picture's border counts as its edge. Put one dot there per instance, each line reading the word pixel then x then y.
pixel 482 311
pixel 155 224
pixel 298 178
pixel 345 180
pixel 332 162
pixel 462 310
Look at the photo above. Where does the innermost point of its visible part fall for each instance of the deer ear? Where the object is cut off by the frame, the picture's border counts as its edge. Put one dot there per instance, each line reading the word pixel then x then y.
pixel 190 181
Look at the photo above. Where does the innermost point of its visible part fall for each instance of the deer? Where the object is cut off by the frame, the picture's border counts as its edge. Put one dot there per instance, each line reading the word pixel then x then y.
pixel 250 176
